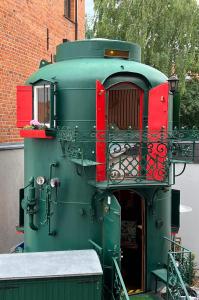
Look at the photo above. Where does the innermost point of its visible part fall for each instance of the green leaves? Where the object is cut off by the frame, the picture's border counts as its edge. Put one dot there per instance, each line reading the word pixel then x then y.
pixel 167 31
pixel 190 104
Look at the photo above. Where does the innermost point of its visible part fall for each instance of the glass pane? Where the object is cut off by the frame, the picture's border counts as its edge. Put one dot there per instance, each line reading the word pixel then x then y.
pixel 44 105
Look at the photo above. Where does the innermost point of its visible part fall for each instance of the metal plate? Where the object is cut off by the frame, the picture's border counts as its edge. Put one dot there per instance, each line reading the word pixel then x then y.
pixel 49 264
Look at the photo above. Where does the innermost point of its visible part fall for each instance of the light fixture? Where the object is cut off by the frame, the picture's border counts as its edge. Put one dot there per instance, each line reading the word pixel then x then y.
pixel 55 182
pixel 173 83
pixel 40 180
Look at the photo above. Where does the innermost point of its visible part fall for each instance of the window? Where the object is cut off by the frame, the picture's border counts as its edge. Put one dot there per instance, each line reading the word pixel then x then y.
pixel 67 8
pixel 42 104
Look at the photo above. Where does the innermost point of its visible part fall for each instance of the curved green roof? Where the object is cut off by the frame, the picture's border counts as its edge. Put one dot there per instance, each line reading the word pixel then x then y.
pixel 83 72
pixel 96 48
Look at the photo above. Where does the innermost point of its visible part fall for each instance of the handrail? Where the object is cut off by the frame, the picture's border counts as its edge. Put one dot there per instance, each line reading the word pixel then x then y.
pixel 173 242
pixel 97 248
pixel 123 291
pixel 179 284
pixel 182 257
pixel 178 270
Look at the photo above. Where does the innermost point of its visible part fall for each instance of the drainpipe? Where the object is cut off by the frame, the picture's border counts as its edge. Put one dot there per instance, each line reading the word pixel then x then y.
pixel 76 20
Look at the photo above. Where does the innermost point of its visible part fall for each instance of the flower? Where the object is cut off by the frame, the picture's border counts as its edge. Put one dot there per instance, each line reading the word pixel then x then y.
pixel 35 123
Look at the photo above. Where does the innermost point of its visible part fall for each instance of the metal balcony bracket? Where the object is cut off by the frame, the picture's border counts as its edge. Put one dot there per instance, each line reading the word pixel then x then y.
pixel 84 162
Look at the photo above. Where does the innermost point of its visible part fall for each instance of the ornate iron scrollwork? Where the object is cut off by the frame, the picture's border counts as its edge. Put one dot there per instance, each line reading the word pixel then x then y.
pixel 131 155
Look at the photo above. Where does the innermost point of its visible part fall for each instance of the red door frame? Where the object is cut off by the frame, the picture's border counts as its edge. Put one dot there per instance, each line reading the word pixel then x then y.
pixel 157 123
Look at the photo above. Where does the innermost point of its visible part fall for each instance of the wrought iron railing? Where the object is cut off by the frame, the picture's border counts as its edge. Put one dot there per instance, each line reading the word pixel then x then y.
pixel 178 271
pixel 130 155
pixel 176 289
pixel 119 286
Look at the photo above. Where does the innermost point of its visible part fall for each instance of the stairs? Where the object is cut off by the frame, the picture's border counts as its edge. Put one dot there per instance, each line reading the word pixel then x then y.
pixel 160 275
pixel 148 296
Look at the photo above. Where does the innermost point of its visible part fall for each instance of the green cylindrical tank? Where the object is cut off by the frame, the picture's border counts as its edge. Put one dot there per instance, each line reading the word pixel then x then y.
pixel 81 213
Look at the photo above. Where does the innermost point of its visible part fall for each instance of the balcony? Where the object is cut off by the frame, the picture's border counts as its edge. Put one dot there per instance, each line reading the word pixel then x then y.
pixel 127 157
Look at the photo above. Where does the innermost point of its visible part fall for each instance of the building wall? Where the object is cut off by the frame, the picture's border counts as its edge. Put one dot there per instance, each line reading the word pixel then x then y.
pixel 24 42
pixel 11 180
pixel 188 184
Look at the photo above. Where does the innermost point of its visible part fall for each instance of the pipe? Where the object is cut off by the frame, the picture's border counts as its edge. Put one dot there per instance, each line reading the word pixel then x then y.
pixel 76 20
pixel 31 223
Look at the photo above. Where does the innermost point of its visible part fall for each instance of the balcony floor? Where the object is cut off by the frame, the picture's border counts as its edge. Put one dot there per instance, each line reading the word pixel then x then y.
pixel 126 183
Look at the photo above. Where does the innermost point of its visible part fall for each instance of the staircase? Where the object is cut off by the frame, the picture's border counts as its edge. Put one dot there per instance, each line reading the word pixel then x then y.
pixel 148 296
pixel 177 274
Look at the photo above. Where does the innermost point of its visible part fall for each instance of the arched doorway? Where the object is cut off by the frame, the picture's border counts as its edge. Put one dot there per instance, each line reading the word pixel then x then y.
pixel 132 239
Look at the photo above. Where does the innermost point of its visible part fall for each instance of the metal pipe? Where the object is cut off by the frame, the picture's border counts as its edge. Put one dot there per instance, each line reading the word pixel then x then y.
pixel 31 223
pixel 76 21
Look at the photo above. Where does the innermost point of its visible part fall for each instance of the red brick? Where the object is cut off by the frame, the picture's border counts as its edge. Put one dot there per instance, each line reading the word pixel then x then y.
pixel 23 26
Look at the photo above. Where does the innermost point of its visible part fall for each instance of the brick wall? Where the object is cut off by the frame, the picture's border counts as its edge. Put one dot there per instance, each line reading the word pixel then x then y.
pixel 23 43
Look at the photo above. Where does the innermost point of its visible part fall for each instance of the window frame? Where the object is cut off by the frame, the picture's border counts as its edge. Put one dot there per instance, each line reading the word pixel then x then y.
pixel 35 102
pixel 67 9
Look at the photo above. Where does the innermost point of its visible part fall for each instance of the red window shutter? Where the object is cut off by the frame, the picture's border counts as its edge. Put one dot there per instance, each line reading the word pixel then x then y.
pixel 157 121
pixel 24 105
pixel 101 131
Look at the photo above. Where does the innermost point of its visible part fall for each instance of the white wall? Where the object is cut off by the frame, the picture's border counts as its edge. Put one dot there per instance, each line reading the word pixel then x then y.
pixel 11 179
pixel 188 183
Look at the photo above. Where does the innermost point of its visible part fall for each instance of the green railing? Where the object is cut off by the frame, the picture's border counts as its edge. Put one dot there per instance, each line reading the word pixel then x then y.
pixel 176 288
pixel 178 271
pixel 97 248
pixel 119 286
pixel 139 156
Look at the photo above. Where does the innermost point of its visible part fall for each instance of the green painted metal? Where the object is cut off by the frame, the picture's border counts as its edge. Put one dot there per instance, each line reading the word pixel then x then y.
pixel 95 48
pixel 54 288
pixel 80 213
pixel 138 156
pixel 175 284
pixel 161 274
pixel 119 286
pixel 177 273
pixel 147 296
pixel 111 236
pixel 71 69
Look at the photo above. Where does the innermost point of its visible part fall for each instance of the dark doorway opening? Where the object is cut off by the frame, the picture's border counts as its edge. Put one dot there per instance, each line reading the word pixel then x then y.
pixel 132 240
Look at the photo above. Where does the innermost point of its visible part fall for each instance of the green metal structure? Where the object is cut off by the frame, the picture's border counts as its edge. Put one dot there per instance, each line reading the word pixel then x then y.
pixel 106 166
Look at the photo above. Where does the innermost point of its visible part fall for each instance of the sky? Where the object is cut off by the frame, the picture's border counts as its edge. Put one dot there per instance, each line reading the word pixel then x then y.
pixel 89 8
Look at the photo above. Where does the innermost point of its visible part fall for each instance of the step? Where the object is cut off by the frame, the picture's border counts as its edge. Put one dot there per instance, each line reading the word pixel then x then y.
pixel 160 274
pixel 147 296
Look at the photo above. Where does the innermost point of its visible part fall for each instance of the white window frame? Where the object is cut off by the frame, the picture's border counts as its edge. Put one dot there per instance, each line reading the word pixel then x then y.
pixel 35 104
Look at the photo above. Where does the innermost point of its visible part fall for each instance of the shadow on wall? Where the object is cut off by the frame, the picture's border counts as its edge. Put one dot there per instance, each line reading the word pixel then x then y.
pixel 11 180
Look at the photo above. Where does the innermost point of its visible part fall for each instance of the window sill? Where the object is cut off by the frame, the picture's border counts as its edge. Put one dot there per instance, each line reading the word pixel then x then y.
pixel 37 133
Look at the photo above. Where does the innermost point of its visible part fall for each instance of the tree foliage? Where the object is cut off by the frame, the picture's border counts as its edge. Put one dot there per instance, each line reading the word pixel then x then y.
pixel 190 104
pixel 167 31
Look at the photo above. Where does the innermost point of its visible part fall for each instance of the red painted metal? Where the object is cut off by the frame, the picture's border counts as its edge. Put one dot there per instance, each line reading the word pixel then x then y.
pixel 158 107
pixel 101 131
pixel 157 122
pixel 34 133
pixel 24 105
